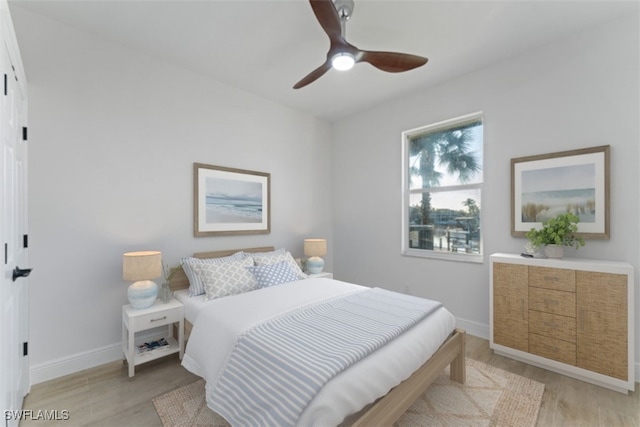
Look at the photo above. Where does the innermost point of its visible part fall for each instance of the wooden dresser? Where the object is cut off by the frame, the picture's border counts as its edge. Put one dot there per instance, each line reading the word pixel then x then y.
pixel 571 316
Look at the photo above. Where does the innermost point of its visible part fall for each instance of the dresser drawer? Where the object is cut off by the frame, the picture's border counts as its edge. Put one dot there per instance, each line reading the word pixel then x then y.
pixel 558 279
pixel 552 326
pixel 151 320
pixel 555 302
pixel 552 348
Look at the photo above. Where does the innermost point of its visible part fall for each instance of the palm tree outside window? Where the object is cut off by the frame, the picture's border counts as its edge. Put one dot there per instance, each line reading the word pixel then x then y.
pixel 442 175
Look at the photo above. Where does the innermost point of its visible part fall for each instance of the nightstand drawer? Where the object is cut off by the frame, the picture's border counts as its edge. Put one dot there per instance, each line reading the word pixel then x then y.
pixel 559 279
pixel 151 320
pixel 556 302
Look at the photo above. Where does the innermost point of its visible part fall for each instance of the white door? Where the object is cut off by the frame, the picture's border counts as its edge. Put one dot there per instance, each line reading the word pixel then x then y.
pixel 14 362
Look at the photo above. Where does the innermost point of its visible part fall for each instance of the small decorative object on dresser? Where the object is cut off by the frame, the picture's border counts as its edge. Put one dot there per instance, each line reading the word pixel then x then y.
pixel 141 268
pixel 574 316
pixel 315 249
pixel 556 233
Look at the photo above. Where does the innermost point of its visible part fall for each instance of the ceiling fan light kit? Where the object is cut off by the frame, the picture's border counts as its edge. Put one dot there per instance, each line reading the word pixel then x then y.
pixel 333 16
pixel 343 61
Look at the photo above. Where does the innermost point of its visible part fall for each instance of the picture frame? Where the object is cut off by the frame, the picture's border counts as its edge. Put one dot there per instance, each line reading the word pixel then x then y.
pixel 229 201
pixel 546 185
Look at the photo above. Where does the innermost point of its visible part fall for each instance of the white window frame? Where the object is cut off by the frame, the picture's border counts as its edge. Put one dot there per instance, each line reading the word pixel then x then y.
pixel 406 193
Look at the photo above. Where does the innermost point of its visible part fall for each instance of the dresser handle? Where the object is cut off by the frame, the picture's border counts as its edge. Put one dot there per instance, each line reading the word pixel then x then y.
pixel 551 301
pixel 551 278
pixel 157 320
pixel 552 325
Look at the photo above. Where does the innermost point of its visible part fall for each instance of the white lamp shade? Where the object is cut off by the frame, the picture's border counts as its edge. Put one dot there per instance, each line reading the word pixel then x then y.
pixel 140 267
pixel 315 247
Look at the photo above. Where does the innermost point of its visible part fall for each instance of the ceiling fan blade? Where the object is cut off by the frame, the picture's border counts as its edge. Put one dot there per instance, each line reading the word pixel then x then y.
pixel 313 76
pixel 327 16
pixel 392 62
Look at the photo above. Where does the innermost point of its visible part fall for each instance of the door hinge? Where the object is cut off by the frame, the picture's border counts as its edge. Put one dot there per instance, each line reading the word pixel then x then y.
pixel 6 253
pixel 25 241
pixel 6 88
pixel 24 133
pixel 25 348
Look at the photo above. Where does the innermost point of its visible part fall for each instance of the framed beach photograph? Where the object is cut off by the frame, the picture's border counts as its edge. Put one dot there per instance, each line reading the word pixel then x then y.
pixel 574 181
pixel 230 201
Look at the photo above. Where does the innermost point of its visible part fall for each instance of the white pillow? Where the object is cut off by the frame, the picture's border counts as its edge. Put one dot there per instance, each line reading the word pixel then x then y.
pixel 277 252
pixel 261 259
pixel 227 278
pixel 273 274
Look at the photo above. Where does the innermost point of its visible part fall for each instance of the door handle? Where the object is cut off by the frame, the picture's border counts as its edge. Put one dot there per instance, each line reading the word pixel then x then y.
pixel 20 272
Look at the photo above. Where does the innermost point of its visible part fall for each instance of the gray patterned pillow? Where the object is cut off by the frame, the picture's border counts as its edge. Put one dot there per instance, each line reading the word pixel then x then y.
pixel 195 284
pixel 229 278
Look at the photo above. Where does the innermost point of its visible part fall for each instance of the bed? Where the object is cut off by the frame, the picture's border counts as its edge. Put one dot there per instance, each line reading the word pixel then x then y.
pixel 401 374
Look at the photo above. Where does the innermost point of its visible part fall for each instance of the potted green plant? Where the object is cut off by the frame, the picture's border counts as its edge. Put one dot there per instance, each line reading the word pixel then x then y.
pixel 555 234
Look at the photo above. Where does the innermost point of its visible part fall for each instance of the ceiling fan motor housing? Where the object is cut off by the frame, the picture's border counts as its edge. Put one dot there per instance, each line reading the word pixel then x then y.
pixel 344 8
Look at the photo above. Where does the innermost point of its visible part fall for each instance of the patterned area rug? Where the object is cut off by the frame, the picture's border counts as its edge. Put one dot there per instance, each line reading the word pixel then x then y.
pixel 490 397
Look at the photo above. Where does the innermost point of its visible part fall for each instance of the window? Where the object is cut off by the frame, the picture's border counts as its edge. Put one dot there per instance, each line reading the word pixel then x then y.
pixel 442 180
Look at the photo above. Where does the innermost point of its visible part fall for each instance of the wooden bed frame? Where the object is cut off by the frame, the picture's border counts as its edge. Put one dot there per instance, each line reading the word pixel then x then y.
pixel 386 410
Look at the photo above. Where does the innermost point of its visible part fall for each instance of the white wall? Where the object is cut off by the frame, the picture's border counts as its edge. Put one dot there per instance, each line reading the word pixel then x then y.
pixel 114 133
pixel 113 137
pixel 578 92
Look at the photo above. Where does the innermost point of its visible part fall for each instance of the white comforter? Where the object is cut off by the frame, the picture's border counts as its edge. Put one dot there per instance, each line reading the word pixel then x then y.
pixel 215 330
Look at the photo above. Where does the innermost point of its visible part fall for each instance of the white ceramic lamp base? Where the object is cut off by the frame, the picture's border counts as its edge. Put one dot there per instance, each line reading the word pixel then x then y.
pixel 142 294
pixel 315 264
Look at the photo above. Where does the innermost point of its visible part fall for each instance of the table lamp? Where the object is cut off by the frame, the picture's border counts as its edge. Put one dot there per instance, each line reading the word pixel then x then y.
pixel 141 267
pixel 315 249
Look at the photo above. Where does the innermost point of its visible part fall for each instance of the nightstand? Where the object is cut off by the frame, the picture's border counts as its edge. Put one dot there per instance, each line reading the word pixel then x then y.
pixel 138 320
pixel 322 274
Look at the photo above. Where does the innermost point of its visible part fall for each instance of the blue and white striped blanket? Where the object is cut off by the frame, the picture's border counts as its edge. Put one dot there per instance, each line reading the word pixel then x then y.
pixel 278 366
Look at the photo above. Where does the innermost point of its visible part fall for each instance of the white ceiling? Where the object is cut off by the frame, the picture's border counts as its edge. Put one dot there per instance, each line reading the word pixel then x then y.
pixel 266 46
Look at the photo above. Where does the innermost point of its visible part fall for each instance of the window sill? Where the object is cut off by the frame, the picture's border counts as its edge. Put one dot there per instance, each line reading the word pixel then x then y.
pixel 446 256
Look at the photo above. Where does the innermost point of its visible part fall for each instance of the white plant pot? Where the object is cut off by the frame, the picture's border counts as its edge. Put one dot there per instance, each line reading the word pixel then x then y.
pixel 553 251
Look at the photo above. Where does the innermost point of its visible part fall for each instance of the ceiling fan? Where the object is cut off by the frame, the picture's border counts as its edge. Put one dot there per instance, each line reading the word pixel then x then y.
pixel 333 16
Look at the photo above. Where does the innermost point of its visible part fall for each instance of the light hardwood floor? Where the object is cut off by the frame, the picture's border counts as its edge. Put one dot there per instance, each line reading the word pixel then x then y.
pixel 106 396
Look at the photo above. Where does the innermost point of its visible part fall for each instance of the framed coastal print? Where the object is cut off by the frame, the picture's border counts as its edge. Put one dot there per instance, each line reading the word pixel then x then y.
pixel 230 201
pixel 574 181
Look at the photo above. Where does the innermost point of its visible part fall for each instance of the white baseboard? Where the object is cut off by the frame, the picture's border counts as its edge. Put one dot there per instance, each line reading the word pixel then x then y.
pixel 473 328
pixel 88 359
pixel 75 363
